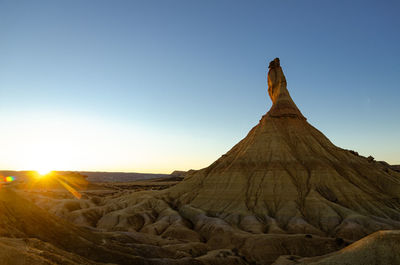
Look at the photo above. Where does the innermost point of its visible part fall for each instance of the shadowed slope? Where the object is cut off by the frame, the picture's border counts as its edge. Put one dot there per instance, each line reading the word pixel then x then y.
pixel 378 248
pixel 40 230
pixel 34 251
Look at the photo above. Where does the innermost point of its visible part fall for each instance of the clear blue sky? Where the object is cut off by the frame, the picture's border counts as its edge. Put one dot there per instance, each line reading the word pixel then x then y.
pixel 161 85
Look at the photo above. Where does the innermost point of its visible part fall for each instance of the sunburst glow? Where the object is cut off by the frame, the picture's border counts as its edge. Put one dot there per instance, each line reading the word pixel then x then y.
pixel 43 172
pixel 47 180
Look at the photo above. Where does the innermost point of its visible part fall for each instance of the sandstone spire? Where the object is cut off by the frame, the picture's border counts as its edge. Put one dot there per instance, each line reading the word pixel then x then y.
pixel 290 177
pixel 283 104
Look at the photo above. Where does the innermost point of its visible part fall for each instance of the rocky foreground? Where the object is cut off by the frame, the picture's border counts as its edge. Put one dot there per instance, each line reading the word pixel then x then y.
pixel 53 227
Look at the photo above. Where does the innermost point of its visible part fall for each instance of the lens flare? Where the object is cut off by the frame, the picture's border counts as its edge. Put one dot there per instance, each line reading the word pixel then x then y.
pixel 9 179
pixel 72 182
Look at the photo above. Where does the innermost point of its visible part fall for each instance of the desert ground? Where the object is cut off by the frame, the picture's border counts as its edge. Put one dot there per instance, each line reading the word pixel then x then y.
pixel 47 224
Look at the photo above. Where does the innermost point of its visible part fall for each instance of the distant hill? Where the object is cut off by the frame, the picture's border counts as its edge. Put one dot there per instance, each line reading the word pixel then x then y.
pixel 94 176
pixel 14 173
pixel 395 167
pixel 119 176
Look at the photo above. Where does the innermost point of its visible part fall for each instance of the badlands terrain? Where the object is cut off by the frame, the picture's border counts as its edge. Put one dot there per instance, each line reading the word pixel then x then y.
pixel 283 195
pixel 48 225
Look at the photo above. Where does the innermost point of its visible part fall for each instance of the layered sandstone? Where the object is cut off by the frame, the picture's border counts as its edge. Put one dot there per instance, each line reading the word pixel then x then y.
pixel 286 176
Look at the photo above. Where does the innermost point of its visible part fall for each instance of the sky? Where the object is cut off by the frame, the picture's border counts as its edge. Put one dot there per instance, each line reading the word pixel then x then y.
pixel 157 86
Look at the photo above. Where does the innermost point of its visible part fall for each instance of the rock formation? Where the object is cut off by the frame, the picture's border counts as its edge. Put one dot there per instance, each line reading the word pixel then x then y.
pixel 286 176
pixel 284 189
pixel 30 235
pixel 283 105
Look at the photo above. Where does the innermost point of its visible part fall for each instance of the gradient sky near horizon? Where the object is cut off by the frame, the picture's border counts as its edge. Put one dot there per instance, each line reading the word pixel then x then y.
pixel 154 86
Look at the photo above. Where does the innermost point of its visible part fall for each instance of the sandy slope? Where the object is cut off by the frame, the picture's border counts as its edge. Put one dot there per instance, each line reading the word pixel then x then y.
pixel 378 248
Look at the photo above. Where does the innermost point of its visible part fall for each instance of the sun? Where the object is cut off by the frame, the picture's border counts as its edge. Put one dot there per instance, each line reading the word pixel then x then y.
pixel 43 172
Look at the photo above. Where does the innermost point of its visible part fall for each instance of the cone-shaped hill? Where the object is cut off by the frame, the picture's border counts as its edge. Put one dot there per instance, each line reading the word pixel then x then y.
pixel 289 176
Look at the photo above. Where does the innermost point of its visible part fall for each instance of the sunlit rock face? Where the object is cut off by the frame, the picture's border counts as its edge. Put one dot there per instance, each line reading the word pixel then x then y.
pixel 283 105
